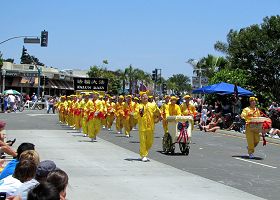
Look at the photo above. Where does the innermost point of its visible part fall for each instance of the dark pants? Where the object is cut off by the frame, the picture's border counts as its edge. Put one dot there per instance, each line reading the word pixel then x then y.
pixel 51 107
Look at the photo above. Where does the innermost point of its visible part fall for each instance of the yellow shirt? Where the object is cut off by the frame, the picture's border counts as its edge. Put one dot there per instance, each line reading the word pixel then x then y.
pixel 147 121
pixel 128 108
pixel 249 112
pixel 119 109
pixel 173 110
pixel 188 109
pixel 164 110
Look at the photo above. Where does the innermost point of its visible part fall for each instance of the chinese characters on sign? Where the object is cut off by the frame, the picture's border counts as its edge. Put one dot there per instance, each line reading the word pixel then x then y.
pixel 98 84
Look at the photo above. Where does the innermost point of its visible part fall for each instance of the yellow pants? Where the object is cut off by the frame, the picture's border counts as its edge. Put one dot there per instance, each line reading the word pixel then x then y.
pixel 103 121
pixel 94 126
pixel 128 124
pixel 84 125
pixel 77 121
pixel 253 138
pixel 119 123
pixel 146 141
pixel 135 122
pixel 110 120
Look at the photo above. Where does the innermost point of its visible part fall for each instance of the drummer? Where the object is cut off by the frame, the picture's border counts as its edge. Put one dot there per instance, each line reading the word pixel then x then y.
pixel 252 135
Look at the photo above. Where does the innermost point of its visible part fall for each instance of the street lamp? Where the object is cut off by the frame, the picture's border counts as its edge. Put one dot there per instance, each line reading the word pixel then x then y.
pixel 3 74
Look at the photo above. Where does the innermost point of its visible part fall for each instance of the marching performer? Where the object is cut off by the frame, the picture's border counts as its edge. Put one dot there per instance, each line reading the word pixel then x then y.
pixel 77 113
pixel 164 111
pixel 252 135
pixel 136 103
pixel 104 100
pixel 119 112
pixel 96 114
pixel 146 113
pixel 84 112
pixel 110 112
pixel 61 109
pixel 188 109
pixel 128 115
pixel 173 108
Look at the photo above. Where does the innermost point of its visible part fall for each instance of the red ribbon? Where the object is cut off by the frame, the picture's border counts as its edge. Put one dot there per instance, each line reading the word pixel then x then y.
pixel 183 135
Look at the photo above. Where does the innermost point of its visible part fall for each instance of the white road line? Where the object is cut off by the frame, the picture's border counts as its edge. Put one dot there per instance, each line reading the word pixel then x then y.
pixel 256 163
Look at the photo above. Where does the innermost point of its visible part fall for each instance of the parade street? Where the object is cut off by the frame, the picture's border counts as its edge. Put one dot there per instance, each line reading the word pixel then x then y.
pixel 216 168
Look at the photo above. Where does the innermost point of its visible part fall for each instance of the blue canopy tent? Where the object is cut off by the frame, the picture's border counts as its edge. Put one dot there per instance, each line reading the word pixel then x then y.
pixel 222 89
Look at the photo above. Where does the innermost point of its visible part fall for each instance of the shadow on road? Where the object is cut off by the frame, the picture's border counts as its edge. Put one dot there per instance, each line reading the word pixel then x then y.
pixel 133 159
pixel 169 154
pixel 247 157
pixel 134 142
pixel 86 141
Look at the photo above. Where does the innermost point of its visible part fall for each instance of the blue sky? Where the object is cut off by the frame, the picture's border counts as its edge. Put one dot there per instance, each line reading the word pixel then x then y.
pixel 145 33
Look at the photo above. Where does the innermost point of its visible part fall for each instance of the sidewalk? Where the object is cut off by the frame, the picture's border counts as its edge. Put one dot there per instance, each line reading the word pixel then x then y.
pixel 102 170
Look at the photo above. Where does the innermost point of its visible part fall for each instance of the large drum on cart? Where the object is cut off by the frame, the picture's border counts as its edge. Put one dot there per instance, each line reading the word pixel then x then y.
pixel 179 131
pixel 260 124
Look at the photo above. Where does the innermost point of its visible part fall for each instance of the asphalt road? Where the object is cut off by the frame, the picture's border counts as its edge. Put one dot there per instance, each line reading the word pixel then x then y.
pixel 215 156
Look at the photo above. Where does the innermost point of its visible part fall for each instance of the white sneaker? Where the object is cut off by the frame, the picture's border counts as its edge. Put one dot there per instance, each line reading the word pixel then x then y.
pixel 127 136
pixel 251 156
pixel 119 132
pixel 145 159
pixel 85 135
pixel 134 129
pixel 103 127
pixel 93 140
pixel 109 129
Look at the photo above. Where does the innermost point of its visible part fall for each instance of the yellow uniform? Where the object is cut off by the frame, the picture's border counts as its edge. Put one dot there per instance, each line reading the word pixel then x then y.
pixel 135 120
pixel 84 115
pixel 188 109
pixel 110 114
pixel 146 126
pixel 164 111
pixel 77 115
pixel 104 104
pixel 119 112
pixel 252 135
pixel 96 114
pixel 128 118
pixel 173 110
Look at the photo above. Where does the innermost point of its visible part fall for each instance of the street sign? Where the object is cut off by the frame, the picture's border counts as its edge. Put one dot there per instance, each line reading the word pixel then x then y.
pixel 32 40
pixel 98 84
pixel 196 84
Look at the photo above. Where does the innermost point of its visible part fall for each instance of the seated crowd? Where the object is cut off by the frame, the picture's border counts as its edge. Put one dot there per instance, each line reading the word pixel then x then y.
pixel 25 177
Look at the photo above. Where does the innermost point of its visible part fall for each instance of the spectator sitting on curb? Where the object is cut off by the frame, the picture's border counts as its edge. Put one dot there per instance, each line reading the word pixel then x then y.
pixel 214 125
pixel 59 179
pixel 24 171
pixel 46 191
pixel 274 133
pixel 5 147
pixel 10 167
pixel 43 170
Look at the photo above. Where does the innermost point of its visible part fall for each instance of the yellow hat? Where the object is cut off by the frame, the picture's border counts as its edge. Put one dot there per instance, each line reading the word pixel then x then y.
pixel 101 96
pixel 142 93
pixel 129 96
pixel 253 99
pixel 150 97
pixel 121 97
pixel 136 98
pixel 166 96
pixel 87 94
pixel 174 98
pixel 63 97
pixel 187 96
pixel 94 92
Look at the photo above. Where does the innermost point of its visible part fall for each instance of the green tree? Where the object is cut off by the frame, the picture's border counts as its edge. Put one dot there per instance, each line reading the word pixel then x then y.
pixel 179 83
pixel 256 50
pixel 209 65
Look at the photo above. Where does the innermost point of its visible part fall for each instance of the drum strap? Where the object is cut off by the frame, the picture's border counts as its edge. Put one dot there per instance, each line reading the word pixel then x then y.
pixel 183 135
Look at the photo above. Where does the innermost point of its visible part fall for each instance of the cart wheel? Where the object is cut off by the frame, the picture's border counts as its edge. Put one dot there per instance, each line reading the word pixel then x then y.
pixel 172 150
pixel 166 143
pixel 184 148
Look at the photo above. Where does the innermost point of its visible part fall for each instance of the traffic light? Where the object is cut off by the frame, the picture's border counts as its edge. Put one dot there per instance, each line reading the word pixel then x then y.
pixel 154 75
pixel 44 38
pixel 164 88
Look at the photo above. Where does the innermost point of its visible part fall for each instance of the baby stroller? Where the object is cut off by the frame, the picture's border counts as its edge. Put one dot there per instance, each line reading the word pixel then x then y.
pixel 179 131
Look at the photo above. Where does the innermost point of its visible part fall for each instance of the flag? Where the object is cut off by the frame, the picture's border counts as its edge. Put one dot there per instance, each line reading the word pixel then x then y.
pixel 142 88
